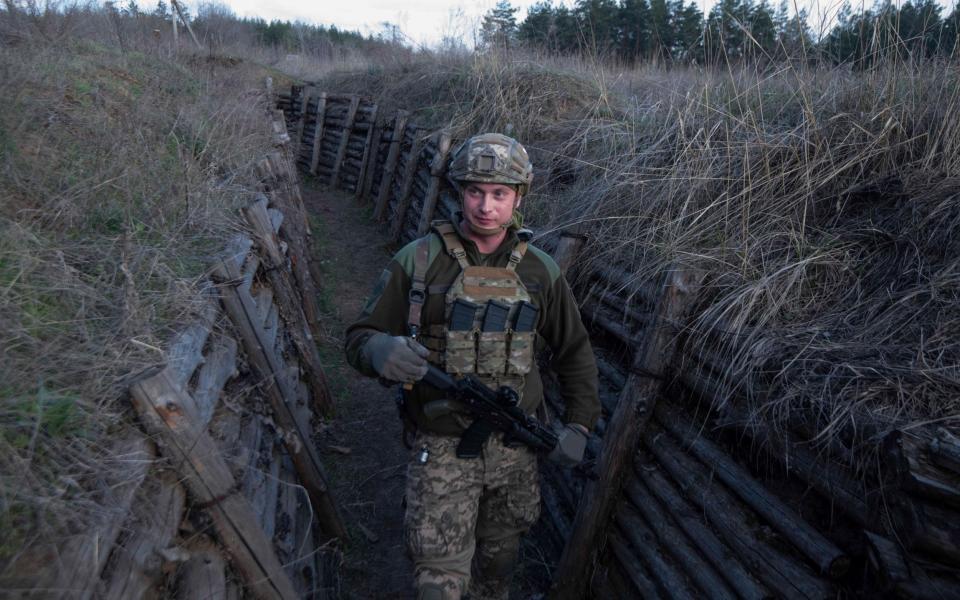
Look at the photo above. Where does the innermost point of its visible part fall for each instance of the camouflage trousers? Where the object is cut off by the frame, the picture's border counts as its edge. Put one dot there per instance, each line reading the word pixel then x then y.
pixel 464 517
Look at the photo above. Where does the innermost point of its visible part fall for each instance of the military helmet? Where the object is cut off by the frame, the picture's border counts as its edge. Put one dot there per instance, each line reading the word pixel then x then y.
pixel 492 158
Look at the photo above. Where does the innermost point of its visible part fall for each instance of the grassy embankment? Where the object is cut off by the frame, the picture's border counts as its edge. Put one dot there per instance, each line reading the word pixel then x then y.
pixel 121 174
pixel 821 201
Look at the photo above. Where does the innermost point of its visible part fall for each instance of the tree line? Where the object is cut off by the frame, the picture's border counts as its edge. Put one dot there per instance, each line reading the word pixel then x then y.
pixel 733 30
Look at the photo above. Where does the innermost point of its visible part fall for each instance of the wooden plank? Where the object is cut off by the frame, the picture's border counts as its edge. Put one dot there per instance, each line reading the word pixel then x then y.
pixel 369 150
pixel 344 138
pixel 219 367
pixel 276 219
pixel 437 168
pixel 185 352
pixel 238 247
pixel 318 132
pixel 305 99
pixel 290 306
pixel 568 249
pixel 390 166
pixel 281 137
pixel 299 443
pixel 263 298
pixel 203 575
pixel 137 561
pixel 370 163
pixel 170 414
pixel 620 440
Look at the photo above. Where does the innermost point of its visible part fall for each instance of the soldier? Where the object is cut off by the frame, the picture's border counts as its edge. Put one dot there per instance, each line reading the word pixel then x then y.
pixel 474 297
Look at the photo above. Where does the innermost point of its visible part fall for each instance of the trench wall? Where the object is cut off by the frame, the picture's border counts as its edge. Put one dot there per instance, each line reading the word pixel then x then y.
pixel 680 496
pixel 221 494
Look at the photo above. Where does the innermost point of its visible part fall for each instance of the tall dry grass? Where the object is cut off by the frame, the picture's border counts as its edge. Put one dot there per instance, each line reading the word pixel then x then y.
pixel 120 176
pixel 821 202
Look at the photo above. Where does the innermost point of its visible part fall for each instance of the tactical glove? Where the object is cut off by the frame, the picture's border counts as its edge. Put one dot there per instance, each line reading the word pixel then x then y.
pixel 396 358
pixel 571 442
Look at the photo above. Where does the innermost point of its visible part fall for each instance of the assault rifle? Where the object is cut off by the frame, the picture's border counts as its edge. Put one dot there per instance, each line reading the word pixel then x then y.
pixel 493 411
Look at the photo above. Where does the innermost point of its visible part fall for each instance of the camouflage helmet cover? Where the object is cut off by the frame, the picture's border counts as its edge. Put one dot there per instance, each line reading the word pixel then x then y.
pixel 492 158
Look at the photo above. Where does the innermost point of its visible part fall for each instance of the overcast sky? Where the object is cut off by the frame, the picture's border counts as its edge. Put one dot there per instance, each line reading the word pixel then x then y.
pixel 424 21
pixel 428 21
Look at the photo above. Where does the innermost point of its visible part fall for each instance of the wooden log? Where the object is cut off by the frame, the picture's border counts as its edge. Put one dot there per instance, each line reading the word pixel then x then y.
pixel 691 523
pixel 928 528
pixel 137 561
pixel 640 578
pixel 348 123
pixel 404 196
pixel 673 540
pixel 169 413
pixel 945 450
pixel 595 315
pixel 791 579
pixel 899 578
pixel 909 464
pixel 619 306
pixel 295 231
pixel 318 132
pixel 647 551
pixel 633 411
pixel 269 368
pixel 832 482
pixel 291 305
pixel 613 583
pixel 437 169
pixel 612 373
pixel 619 279
pixel 886 561
pixel 203 575
pixel 390 166
pixel 823 553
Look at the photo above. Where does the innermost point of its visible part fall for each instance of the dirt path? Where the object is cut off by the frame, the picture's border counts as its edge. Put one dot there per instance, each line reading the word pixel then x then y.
pixel 364 454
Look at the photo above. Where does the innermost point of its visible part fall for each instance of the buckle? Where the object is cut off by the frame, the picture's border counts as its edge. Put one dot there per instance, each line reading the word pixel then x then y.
pixel 417 296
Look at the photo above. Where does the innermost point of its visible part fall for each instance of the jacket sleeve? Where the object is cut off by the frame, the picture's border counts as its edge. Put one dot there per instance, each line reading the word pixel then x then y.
pixel 573 360
pixel 385 310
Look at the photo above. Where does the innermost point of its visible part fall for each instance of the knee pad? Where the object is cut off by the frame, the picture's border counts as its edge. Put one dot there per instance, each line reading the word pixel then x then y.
pixel 432 591
pixel 500 564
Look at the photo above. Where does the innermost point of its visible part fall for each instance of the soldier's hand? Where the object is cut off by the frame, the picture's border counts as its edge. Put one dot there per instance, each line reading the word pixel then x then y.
pixel 571 442
pixel 396 358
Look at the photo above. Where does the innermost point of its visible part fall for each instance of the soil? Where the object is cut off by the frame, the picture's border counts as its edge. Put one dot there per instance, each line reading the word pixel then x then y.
pixel 362 447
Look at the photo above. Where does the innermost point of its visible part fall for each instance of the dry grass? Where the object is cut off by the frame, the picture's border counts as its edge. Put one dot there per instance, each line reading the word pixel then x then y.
pixel 820 201
pixel 120 175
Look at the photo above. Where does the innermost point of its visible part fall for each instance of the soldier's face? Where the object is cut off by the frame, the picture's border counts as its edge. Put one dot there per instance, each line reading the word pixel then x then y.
pixel 489 205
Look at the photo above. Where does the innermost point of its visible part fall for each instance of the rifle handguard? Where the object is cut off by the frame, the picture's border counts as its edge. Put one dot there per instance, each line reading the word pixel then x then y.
pixel 493 411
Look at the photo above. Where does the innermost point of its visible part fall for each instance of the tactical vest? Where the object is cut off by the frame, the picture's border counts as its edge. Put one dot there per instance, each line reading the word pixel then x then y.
pixel 489 321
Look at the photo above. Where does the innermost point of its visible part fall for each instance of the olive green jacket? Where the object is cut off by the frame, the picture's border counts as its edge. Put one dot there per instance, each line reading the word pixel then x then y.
pixel 559 327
